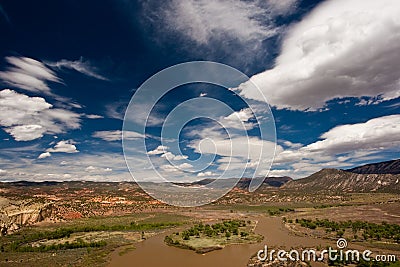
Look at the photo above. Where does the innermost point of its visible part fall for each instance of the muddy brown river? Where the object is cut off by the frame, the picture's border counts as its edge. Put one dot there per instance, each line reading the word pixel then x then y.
pixel 154 252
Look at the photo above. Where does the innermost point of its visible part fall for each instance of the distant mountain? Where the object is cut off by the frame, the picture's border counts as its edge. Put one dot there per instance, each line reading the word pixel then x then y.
pixel 269 181
pixel 386 167
pixel 244 183
pixel 334 180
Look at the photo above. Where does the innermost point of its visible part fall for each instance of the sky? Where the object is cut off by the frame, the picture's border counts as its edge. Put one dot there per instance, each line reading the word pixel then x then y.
pixel 68 70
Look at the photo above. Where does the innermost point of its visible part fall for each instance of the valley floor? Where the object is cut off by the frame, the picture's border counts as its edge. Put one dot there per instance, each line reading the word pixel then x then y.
pixel 115 234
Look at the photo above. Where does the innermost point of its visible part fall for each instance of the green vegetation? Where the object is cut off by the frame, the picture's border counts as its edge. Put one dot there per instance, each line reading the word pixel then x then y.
pixel 66 232
pixel 231 226
pixel 366 230
pixel 278 211
pixel 62 246
pixel 203 238
pixel 84 241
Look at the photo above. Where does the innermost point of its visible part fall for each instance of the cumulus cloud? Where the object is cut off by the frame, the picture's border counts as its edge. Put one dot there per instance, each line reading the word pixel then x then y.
pixel 280 173
pixel 117 135
pixel 171 156
pixel 343 48
pixel 239 146
pixel 205 174
pixel 175 169
pixel 81 65
pixel 26 132
pixel 3 172
pixel 106 167
pixel 29 74
pixel 64 146
pixel 383 132
pixel 28 118
pixel 239 120
pixel 97 169
pixel 343 145
pixel 158 151
pixel 67 146
pixel 164 153
pixel 44 155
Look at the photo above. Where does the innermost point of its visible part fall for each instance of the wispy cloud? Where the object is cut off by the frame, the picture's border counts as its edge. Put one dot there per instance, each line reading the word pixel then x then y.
pixel 4 15
pixel 28 74
pixel 116 110
pixel 116 135
pixel 81 65
pixel 232 28
pixel 93 116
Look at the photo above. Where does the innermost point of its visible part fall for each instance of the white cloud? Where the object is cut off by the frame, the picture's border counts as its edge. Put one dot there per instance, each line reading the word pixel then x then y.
pixel 343 48
pixel 80 65
pixel 280 173
pixel 93 116
pixel 251 148
pixel 292 145
pixel 176 168
pixel 243 115
pixel 116 110
pixel 107 167
pixel 185 166
pixel 44 155
pixel 67 146
pixel 378 133
pixel 97 169
pixel 29 74
pixel 26 132
pixel 117 135
pixel 170 156
pixel 169 168
pixel 28 118
pixel 239 120
pixel 235 29
pixel 158 151
pixel 205 174
pixel 343 145
pixel 202 20
pixel 282 7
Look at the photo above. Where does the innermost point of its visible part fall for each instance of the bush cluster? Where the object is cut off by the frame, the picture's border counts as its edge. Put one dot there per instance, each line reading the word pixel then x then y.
pixel 368 230
pixel 226 228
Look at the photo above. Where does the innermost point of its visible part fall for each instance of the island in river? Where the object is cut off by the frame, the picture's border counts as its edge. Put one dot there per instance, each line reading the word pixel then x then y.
pixel 203 238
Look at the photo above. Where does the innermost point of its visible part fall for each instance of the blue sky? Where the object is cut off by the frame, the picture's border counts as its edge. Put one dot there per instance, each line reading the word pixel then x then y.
pixel 329 70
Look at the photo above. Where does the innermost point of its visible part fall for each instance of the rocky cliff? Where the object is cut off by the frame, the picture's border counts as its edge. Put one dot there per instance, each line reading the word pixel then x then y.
pixel 15 214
